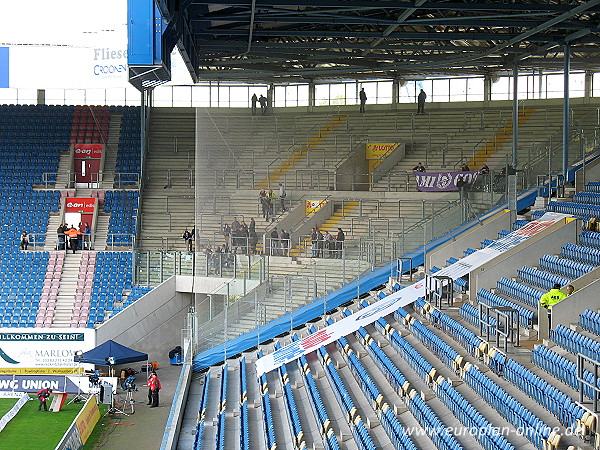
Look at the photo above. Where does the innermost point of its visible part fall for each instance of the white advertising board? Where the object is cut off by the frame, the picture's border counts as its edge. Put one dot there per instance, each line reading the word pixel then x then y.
pixel 48 351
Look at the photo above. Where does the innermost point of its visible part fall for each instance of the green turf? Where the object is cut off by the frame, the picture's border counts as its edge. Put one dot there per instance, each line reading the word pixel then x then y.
pixel 34 430
pixel 6 404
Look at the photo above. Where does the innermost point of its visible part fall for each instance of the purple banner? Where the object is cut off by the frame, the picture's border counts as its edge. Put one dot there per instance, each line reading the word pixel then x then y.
pixel 443 181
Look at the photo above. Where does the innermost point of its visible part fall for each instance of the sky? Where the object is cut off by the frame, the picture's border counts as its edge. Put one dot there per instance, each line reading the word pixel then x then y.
pixel 54 44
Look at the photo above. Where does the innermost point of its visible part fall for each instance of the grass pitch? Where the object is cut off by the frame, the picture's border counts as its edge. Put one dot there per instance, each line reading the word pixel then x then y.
pixel 34 430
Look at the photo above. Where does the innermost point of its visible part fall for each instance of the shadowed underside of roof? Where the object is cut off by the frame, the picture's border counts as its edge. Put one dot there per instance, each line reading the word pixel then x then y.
pixel 302 40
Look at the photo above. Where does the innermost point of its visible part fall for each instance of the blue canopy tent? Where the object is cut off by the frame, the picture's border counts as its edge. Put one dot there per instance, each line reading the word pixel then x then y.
pixel 110 353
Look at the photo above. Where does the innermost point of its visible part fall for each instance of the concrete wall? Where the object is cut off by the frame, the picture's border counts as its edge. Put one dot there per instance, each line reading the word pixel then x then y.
pixel 585 297
pixel 151 324
pixel 388 163
pixel 591 172
pixel 528 253
pixel 488 229
pixel 352 174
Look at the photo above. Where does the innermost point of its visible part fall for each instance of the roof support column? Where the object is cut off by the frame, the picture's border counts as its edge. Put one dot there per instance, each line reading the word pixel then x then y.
pixel 395 93
pixel 588 85
pixel 311 95
pixel 515 116
pixel 566 107
pixel 487 89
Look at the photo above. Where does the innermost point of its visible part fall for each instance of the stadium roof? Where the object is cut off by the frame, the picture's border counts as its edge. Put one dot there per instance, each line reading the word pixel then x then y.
pixel 301 40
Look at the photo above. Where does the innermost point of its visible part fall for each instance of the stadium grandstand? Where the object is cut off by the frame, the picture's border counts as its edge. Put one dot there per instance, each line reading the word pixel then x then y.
pixel 336 236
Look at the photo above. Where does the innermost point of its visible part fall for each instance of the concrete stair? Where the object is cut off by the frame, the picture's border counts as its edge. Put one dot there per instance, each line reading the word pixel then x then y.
pixel 67 290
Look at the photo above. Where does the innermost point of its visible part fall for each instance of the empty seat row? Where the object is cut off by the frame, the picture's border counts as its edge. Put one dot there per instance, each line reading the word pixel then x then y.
pixel 590 320
pixel 521 292
pixel 561 368
pixel 471 315
pixel 469 340
pixel 576 342
pixel 581 253
pixel 566 267
pixel 267 415
pixel 487 435
pixel 290 405
pixel 557 402
pixel 320 413
pixel 541 278
pixel 222 410
pixel 576 209
pixel 244 425
pixel 354 420
pixel 535 429
pixel 202 413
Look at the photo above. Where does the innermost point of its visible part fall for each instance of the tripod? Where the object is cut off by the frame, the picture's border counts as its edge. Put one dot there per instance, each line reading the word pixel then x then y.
pixel 114 410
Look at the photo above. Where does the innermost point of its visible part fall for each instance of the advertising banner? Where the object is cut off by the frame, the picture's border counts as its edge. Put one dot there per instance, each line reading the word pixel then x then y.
pixel 13 411
pixel 87 418
pixel 375 153
pixel 59 383
pixel 400 298
pixel 71 440
pixel 87 151
pixel 312 206
pixel 80 205
pixel 379 151
pixel 443 181
pixel 39 351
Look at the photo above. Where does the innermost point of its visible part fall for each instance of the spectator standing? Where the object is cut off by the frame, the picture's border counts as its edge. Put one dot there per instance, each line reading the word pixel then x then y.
pixel 421 102
pixel 274 242
pixel 154 387
pixel 570 289
pixel 187 237
pixel 61 244
pixel 24 240
pixel 419 168
pixel 362 95
pixel 328 245
pixel 262 198
pixel 319 244
pixel 73 238
pixel 314 244
pixel 87 235
pixel 283 243
pixel 254 101
pixel 263 104
pixel 340 238
pixel 252 226
pixel 551 298
pixel 226 231
pixel 270 200
pixel 282 196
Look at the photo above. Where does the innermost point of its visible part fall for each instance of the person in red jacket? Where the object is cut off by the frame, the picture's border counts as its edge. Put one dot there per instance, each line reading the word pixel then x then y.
pixel 42 396
pixel 154 387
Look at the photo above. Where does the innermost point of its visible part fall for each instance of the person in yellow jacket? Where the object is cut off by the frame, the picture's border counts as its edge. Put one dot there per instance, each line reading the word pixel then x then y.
pixel 551 298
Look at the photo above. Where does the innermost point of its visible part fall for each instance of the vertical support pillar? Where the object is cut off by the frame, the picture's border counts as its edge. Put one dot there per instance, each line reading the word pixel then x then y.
pixel 566 108
pixel 515 116
pixel 311 95
pixel 487 89
pixel 588 86
pixel 395 93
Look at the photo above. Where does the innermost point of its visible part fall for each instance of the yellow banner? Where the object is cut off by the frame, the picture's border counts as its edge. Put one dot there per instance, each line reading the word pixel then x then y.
pixel 87 418
pixel 312 206
pixel 41 371
pixel 379 151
